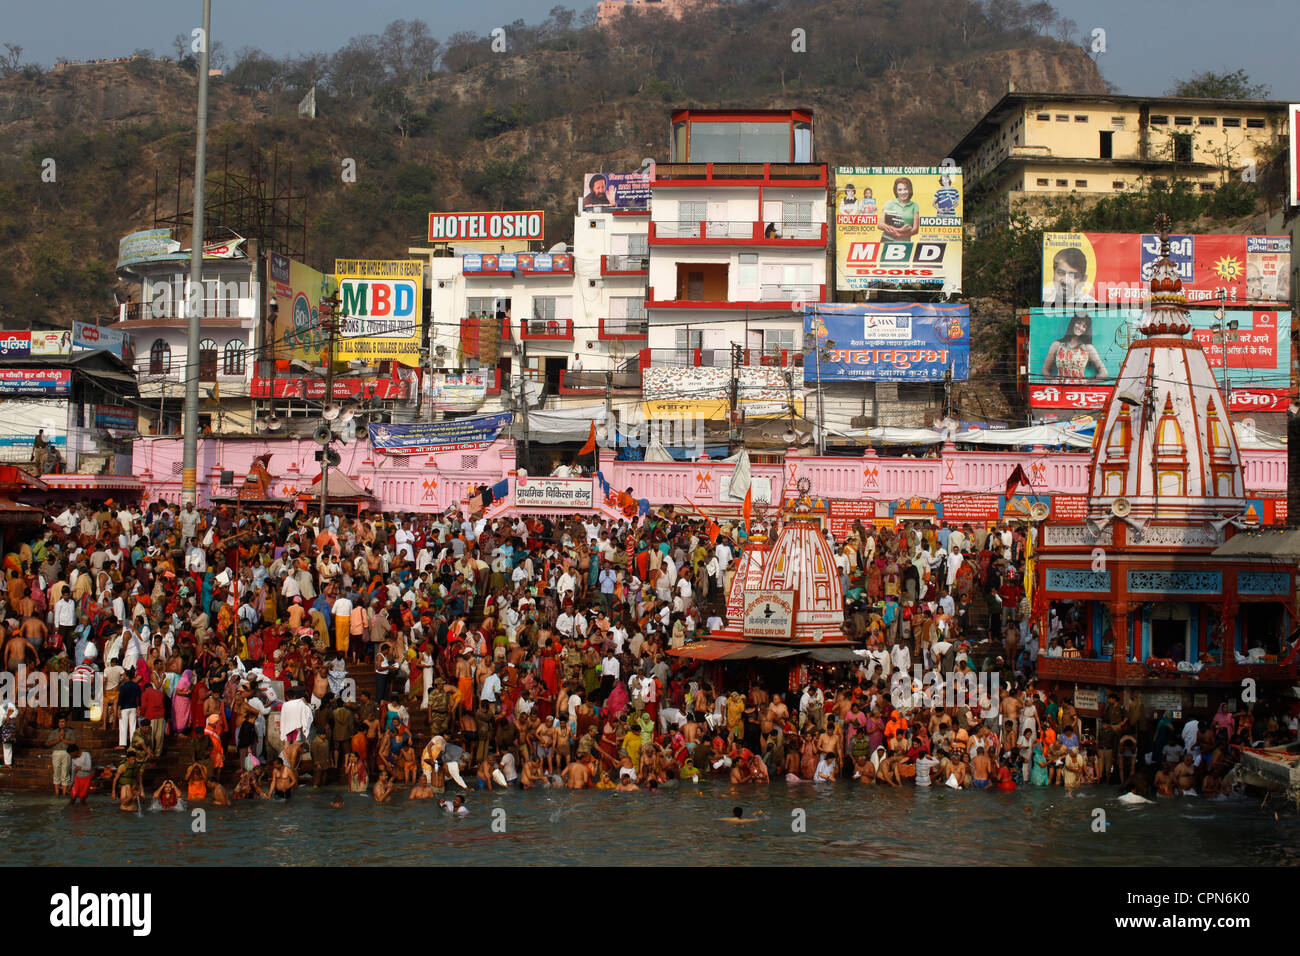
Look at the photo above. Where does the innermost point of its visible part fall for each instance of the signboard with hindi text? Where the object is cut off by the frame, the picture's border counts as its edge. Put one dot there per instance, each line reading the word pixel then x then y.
pixel 543 493
pixel 769 615
pixel 887 342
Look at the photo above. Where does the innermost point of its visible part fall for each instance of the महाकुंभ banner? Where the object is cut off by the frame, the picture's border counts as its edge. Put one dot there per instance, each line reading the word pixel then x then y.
pixel 453 435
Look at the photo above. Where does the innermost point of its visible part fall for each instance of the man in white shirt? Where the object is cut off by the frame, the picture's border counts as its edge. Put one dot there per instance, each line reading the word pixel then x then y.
pixel 405 541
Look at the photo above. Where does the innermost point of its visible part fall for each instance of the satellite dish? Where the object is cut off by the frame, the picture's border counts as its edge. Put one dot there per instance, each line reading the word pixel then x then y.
pixel 1121 507
pixel 1039 511
pixel 322 435
pixel 558 247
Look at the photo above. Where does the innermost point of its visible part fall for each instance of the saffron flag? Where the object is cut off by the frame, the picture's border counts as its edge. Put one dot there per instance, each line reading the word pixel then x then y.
pixel 714 531
pixel 749 507
pixel 591 441
pixel 1018 478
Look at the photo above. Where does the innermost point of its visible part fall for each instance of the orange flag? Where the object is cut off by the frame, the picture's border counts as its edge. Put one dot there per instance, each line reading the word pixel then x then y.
pixel 591 442
pixel 714 531
pixel 749 507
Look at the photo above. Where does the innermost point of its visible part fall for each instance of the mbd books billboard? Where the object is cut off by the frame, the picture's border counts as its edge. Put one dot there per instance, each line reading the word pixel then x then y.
pixel 898 227
pixel 380 302
pixel 887 342
pixel 1074 356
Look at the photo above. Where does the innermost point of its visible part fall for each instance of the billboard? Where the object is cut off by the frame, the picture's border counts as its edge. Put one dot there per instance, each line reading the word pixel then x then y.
pixel 51 343
pixel 605 192
pixel 144 245
pixel 46 382
pixel 1087 268
pixel 381 309
pixel 444 390
pixel 296 291
pixel 450 435
pixel 117 417
pixel 86 335
pixel 898 227
pixel 484 226
pixel 560 262
pixel 1293 177
pixel 888 342
pixel 1074 357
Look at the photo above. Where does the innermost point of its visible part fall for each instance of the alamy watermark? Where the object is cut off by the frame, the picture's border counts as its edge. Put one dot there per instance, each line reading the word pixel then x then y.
pixel 60 690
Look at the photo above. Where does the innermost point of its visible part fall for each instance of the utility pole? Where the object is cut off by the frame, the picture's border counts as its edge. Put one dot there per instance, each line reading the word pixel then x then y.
pixel 523 396
pixel 731 417
pixel 190 454
pixel 610 425
pixel 329 316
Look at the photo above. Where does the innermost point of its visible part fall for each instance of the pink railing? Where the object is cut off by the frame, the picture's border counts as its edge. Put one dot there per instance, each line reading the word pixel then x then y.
pixel 429 482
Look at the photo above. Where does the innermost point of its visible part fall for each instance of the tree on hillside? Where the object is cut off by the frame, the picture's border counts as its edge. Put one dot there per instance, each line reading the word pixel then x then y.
pixel 11 60
pixel 1221 86
pixel 409 51
pixel 357 68
pixel 255 70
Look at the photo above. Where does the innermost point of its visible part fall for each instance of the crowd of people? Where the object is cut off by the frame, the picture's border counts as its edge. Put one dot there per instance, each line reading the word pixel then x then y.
pixel 243 654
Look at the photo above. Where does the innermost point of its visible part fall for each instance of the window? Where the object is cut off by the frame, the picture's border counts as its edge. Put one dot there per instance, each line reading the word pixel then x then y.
pixel 485 305
pixel 687 340
pixel 1081 184
pixel 207 361
pixel 1207 187
pixel 550 312
pixel 1231 122
pixel 1182 147
pixel 1043 182
pixel 1160 183
pixel 776 341
pixel 1117 184
pixel 1117 121
pixel 1106 144
pixel 1255 123
pixel 160 358
pixel 1063 117
pixel 234 358
pixel 689 217
pixel 1044 117
pixel 1182 121
pixel 1080 118
pixel 747 270
pixel 1159 120
pixel 1206 121
pixel 1063 183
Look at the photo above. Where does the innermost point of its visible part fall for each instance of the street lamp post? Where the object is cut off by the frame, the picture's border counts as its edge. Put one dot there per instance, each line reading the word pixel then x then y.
pixel 328 314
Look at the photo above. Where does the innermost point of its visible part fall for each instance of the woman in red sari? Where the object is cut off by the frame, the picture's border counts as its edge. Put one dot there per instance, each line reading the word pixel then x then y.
pixel 550 671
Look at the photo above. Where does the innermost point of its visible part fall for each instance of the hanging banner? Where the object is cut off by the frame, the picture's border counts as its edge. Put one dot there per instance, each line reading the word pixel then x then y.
pixel 35 381
pixel 454 435
pixel 898 227
pixel 456 390
pixel 887 342
pixel 1084 269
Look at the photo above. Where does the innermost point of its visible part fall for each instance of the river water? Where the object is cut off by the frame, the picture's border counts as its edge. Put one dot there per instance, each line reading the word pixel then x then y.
pixel 843 825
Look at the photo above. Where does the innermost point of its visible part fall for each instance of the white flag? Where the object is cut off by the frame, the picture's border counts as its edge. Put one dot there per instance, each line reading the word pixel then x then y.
pixel 740 477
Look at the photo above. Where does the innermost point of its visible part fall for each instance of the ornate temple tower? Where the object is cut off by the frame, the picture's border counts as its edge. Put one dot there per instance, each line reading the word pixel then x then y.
pixel 800 560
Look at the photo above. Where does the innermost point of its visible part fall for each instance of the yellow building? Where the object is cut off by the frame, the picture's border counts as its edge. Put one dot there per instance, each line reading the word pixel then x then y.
pixel 1032 146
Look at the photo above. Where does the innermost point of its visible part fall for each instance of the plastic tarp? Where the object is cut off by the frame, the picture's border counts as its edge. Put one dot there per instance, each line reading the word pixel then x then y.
pixel 1034 435
pixel 553 426
pixel 895 436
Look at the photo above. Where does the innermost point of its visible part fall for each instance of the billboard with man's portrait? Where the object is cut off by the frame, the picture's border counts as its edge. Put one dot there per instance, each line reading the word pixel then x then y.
pixel 1087 269
pixel 606 192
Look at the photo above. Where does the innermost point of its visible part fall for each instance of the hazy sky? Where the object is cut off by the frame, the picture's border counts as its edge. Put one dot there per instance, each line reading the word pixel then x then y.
pixel 1150 43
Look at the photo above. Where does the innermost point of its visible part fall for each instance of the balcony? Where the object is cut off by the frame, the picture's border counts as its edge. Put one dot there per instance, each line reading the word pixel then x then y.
pixel 546 330
pixel 624 381
pixel 624 265
pixel 470 330
pixel 623 330
pixel 770 297
pixel 809 175
pixel 737 232
pixel 714 358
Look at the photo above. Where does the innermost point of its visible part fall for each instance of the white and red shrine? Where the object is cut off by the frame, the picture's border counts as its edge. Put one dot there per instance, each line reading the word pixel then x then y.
pixel 1158 611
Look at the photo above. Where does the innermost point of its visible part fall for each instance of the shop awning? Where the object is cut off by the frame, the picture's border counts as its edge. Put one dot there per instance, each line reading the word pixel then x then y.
pixel 1283 545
